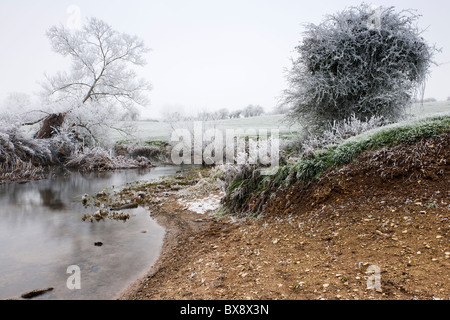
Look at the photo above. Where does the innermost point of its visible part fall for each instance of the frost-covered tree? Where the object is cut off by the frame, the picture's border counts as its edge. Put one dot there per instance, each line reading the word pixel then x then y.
pixel 236 114
pixel 252 111
pixel 13 108
pixel 223 114
pixel 281 109
pixel 361 62
pixel 101 87
pixel 16 101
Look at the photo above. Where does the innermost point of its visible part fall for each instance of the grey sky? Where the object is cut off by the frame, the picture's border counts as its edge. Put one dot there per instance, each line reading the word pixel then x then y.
pixel 204 55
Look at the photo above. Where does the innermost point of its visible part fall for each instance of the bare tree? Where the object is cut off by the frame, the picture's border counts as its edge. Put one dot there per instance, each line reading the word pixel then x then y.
pixel 101 86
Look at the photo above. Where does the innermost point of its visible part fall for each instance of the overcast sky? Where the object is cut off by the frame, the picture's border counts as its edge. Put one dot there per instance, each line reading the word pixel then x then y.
pixel 205 55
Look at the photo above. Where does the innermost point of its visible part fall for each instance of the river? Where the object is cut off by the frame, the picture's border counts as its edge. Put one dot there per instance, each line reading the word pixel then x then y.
pixel 42 234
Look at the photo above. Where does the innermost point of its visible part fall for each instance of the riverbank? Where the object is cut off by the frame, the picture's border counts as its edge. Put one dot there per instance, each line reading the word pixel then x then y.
pixel 91 161
pixel 316 241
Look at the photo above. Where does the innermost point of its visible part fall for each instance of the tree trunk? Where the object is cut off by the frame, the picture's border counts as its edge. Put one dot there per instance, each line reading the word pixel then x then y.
pixel 50 126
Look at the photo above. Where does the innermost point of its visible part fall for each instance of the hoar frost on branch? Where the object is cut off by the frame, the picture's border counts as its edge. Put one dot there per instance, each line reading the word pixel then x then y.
pixel 101 88
pixel 347 66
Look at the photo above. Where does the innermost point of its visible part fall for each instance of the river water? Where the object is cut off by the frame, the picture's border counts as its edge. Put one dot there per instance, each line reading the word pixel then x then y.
pixel 42 235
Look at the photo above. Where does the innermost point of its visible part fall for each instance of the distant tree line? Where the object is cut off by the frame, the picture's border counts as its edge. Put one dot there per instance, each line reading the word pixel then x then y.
pixel 418 100
pixel 426 100
pixel 221 114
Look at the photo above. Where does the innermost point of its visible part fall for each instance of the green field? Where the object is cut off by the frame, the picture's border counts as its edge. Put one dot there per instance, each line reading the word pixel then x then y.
pixel 430 108
pixel 161 131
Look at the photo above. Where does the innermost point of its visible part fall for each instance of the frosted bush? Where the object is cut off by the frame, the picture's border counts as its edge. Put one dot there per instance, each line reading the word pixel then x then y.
pixel 347 66
pixel 19 149
pixel 14 148
pixel 337 132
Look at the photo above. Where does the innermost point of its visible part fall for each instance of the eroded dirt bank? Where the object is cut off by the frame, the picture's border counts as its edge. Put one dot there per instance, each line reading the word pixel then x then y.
pixel 390 209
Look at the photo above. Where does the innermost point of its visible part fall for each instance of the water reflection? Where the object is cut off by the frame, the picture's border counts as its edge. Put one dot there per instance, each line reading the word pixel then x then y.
pixel 41 234
pixel 51 199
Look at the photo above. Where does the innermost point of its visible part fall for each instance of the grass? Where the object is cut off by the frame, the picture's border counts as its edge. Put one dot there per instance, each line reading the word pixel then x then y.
pixel 251 188
pixel 408 132
pixel 150 131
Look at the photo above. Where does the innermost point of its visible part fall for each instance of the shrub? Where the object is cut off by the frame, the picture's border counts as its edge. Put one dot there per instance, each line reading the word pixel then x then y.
pixel 307 144
pixel 98 159
pixel 347 66
pixel 144 151
pixel 15 146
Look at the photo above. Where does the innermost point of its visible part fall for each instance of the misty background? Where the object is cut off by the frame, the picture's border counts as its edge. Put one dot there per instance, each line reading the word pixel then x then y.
pixel 205 55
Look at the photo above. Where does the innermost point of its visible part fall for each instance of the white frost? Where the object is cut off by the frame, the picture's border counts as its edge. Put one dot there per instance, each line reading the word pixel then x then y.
pixel 203 205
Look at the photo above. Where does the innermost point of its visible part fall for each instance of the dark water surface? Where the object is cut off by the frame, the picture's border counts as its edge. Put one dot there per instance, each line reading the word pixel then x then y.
pixel 42 234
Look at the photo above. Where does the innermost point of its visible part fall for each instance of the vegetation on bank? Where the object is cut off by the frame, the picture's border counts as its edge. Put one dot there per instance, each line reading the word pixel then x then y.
pixel 24 158
pixel 351 75
pixel 247 189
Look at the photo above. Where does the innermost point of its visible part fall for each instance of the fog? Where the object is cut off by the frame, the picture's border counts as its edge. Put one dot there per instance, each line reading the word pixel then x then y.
pixel 205 55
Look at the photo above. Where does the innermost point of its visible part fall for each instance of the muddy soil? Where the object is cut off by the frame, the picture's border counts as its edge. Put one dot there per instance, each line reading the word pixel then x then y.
pixel 378 228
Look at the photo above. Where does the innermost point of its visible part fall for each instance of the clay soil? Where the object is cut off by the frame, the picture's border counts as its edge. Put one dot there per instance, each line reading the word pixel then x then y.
pixel 389 210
